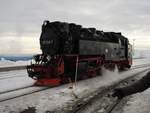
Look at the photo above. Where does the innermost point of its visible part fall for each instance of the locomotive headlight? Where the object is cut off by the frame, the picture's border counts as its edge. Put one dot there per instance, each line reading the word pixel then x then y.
pixel 106 50
pixel 33 61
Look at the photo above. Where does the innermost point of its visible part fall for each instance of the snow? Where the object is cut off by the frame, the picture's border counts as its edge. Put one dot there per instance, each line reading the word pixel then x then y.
pixel 141 61
pixel 8 63
pixel 138 103
pixel 59 97
pixel 13 80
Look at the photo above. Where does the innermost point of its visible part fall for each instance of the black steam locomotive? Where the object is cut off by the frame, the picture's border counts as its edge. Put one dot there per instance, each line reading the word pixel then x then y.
pixel 71 52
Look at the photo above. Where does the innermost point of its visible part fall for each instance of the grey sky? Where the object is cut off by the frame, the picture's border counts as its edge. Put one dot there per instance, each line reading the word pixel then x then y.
pixel 20 20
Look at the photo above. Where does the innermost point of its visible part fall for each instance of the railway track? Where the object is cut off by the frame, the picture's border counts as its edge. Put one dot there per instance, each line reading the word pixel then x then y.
pixel 12 74
pixel 101 100
pixel 7 95
pixel 3 69
pixel 15 89
pixel 9 76
pixel 140 66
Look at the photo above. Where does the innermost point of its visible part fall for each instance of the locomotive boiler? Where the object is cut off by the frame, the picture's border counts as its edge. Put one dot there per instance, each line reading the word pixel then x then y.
pixel 71 52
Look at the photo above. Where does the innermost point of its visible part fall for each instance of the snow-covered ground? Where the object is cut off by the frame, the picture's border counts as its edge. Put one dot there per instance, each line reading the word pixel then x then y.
pixel 14 79
pixel 57 97
pixel 141 61
pixel 8 63
pixel 61 96
pixel 138 103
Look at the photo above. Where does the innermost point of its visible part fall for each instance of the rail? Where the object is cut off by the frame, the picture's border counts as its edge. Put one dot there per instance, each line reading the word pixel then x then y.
pixel 3 69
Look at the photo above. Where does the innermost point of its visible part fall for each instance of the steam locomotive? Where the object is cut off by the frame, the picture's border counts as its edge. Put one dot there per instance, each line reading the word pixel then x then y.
pixel 71 52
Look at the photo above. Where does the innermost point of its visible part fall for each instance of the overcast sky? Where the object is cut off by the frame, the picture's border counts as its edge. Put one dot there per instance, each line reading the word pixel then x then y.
pixel 21 20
